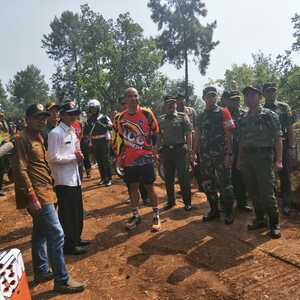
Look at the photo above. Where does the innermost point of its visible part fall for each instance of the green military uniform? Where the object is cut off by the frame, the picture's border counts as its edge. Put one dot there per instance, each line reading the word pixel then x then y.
pixel 258 133
pixel 173 129
pixel 286 119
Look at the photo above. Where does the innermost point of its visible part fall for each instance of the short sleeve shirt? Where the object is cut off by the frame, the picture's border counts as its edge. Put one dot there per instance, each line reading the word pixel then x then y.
pixel 173 128
pixel 137 131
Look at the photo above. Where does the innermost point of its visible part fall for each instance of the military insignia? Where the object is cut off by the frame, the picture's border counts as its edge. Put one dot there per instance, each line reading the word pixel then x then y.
pixel 40 107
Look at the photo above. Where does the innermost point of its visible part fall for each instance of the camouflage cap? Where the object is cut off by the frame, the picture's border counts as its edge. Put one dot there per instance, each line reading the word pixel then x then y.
pixel 210 90
pixel 35 110
pixel 269 86
pixel 251 88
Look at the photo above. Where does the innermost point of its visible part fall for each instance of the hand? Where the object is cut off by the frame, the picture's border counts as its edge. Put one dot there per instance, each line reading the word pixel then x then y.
pixel 34 206
pixel 278 165
pixel 79 155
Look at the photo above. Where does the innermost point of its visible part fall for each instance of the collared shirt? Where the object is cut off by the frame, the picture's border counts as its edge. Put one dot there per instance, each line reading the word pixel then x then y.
pixel 62 145
pixel 173 128
pixel 31 170
pixel 259 129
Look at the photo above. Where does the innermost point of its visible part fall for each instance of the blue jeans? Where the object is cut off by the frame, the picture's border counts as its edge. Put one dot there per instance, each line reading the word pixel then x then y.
pixel 48 241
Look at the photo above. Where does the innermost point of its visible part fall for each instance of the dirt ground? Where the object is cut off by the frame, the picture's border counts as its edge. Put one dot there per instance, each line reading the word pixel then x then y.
pixel 187 260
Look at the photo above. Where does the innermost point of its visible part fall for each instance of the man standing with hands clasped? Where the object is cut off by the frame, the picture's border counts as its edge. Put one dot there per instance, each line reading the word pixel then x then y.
pixel 34 191
pixel 64 157
pixel 260 134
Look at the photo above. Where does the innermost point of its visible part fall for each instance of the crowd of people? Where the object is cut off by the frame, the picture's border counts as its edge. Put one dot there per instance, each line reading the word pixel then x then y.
pixel 234 154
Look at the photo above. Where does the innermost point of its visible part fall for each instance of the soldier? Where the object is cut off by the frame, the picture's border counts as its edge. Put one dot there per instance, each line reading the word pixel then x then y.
pixel 97 130
pixel 189 111
pixel 260 134
pixel 176 151
pixel 233 104
pixel 286 120
pixel 213 133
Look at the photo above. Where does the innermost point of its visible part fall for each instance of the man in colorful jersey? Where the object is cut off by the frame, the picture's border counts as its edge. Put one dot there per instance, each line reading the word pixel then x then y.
pixel 138 126
pixel 213 133
pixel 289 149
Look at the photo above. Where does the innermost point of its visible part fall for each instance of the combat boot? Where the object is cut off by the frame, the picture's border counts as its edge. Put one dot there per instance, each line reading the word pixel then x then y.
pixel 274 227
pixel 213 213
pixel 228 215
pixel 258 223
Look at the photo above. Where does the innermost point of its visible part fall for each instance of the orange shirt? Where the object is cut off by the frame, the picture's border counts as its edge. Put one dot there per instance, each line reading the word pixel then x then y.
pixel 137 132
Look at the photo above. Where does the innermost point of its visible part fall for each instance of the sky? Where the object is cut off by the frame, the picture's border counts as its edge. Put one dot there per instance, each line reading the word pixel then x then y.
pixel 243 27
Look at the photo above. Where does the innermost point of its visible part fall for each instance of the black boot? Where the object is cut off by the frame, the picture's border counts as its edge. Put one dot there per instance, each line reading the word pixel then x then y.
pixel 213 213
pixel 258 223
pixel 228 213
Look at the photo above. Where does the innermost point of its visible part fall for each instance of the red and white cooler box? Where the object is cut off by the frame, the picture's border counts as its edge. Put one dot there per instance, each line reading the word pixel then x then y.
pixel 13 280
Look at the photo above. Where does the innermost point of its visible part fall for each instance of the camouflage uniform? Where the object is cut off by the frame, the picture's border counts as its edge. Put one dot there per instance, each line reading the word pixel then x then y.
pixel 286 119
pixel 216 178
pixel 173 128
pixel 258 133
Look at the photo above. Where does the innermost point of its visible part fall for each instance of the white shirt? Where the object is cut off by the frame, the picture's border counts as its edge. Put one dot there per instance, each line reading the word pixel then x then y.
pixel 62 144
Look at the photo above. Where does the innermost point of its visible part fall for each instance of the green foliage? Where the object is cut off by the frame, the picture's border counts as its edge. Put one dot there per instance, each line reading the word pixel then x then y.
pixel 28 86
pixel 296 35
pixel 182 33
pixel 99 58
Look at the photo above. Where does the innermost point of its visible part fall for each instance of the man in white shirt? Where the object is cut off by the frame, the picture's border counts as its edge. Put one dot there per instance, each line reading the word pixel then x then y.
pixel 64 154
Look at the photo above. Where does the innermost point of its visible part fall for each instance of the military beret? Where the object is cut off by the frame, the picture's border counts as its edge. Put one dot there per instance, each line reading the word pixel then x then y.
pixel 251 88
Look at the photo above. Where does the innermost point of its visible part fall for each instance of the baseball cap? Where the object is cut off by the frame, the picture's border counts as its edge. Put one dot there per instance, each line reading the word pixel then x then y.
pixel 251 88
pixel 210 90
pixel 35 110
pixel 70 107
pixel 169 99
pixel 180 96
pixel 51 105
pixel 234 95
pixel 269 86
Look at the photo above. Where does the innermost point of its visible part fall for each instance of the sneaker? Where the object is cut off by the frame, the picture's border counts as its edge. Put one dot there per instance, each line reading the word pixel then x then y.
pixel 2 193
pixel 108 183
pixel 128 201
pixel 69 287
pixel 156 225
pixel 133 222
pixel 101 182
pixel 188 207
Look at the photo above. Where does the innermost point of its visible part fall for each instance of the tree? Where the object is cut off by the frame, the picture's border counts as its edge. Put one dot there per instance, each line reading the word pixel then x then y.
pixel 296 35
pixel 99 58
pixel 63 45
pixel 28 86
pixel 182 33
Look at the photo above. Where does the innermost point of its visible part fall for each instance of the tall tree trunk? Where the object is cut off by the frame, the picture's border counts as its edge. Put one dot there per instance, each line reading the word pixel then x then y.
pixel 186 79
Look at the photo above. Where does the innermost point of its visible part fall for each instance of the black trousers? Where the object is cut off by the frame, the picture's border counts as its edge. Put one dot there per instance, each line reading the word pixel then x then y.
pixel 70 213
pixel 143 191
pixel 84 145
pixel 101 151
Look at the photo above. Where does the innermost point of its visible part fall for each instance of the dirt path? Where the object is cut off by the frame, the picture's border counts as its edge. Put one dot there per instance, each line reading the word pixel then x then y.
pixel 187 260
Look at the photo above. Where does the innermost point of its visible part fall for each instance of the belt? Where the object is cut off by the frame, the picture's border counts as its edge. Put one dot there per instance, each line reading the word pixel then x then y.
pixel 99 136
pixel 258 149
pixel 176 146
